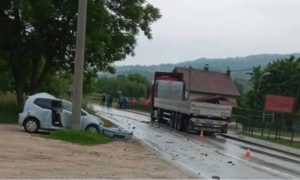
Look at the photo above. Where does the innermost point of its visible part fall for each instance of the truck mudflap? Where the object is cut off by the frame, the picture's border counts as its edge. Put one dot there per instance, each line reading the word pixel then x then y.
pixel 209 125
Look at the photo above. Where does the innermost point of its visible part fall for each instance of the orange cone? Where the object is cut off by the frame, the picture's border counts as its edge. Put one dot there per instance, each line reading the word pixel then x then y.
pixel 201 136
pixel 248 154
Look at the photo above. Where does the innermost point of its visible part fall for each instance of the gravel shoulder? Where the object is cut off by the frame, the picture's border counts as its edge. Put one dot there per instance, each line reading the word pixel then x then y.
pixel 24 155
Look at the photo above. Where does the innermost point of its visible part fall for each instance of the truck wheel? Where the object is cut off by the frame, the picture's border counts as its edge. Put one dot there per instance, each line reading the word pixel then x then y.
pixel 175 121
pixel 189 127
pixel 159 116
pixel 172 121
pixel 178 122
pixel 224 131
pixel 152 117
pixel 179 125
pixel 183 122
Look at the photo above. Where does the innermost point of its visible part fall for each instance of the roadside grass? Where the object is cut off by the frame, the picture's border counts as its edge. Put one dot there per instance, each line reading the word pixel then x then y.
pixel 281 141
pixel 273 132
pixel 79 137
pixel 8 108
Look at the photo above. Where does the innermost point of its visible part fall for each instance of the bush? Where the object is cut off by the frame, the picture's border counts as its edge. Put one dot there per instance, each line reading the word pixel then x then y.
pixel 8 108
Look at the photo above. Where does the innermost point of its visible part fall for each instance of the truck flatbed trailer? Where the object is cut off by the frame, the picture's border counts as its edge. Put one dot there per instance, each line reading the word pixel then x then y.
pixel 193 116
pixel 170 104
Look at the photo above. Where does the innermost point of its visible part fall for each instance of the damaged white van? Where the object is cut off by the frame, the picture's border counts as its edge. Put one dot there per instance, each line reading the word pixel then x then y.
pixel 44 111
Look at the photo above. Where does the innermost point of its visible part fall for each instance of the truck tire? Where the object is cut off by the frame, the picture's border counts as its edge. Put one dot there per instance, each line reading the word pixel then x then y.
pixel 172 121
pixel 183 122
pixel 179 125
pixel 159 116
pixel 152 116
pixel 175 121
pixel 178 122
pixel 189 127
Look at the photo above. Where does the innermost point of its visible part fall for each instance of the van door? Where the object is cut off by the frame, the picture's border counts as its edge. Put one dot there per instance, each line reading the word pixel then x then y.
pixel 44 113
pixel 66 113
pixel 66 118
pixel 56 114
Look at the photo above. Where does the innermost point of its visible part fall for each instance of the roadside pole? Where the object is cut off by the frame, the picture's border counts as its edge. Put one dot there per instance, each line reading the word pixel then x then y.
pixel 296 101
pixel 293 132
pixel 79 63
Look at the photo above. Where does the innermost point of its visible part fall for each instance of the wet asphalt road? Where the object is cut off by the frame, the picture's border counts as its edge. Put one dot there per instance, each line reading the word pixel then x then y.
pixel 216 156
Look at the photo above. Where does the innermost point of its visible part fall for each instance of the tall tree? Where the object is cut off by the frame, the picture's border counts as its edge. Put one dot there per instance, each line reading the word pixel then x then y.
pixel 133 85
pixel 38 37
pixel 280 77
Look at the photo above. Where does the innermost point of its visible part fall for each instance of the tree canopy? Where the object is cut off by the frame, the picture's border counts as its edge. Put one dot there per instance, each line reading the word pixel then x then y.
pixel 38 37
pixel 281 77
pixel 132 85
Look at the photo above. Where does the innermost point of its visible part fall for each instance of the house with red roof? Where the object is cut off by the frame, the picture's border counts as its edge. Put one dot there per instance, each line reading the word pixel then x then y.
pixel 208 86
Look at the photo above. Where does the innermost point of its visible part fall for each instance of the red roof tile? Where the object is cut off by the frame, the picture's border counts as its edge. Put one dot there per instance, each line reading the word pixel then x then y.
pixel 208 81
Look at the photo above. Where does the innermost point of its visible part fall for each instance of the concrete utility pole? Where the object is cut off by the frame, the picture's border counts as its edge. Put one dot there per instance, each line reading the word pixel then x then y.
pixel 79 62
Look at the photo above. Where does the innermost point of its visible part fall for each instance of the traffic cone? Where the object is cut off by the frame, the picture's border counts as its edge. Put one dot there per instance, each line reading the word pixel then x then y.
pixel 248 154
pixel 201 136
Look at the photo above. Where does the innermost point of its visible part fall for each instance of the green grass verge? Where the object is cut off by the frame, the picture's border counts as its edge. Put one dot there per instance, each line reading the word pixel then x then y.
pixel 8 108
pixel 278 141
pixel 273 132
pixel 79 137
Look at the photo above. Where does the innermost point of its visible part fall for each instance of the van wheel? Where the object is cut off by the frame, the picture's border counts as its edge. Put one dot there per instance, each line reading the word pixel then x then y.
pixel 92 128
pixel 31 125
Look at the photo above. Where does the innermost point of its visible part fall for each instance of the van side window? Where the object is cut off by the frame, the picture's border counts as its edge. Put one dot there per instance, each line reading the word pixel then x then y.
pixel 43 103
pixel 67 106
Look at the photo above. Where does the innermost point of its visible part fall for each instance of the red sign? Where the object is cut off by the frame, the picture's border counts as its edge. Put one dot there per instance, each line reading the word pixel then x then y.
pixel 283 104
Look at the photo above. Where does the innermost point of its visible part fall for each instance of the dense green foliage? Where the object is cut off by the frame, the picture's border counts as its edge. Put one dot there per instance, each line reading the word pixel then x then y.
pixel 38 38
pixel 281 77
pixel 132 85
pixel 8 108
pixel 79 137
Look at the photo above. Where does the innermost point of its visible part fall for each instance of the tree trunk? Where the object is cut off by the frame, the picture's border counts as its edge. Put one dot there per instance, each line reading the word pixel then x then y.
pixel 19 81
pixel 36 82
pixel 33 80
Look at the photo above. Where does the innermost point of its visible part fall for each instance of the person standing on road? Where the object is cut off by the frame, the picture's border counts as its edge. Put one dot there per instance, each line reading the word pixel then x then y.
pixel 109 101
pixel 103 98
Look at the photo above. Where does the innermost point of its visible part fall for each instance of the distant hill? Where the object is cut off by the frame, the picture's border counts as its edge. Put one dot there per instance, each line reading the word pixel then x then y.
pixel 239 66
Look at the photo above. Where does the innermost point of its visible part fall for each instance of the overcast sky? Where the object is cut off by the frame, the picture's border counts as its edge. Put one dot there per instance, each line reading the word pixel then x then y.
pixel 190 29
